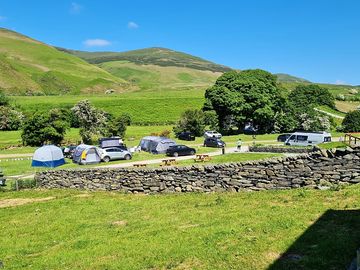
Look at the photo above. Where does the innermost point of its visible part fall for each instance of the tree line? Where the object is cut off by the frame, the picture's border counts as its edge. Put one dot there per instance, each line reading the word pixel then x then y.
pixel 255 98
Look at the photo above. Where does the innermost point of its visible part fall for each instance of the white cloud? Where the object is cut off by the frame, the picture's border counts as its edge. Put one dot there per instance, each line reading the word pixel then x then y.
pixel 132 25
pixel 75 8
pixel 96 42
pixel 340 82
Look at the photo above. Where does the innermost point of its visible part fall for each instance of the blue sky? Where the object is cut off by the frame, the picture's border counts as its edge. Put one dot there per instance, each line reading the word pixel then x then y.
pixel 318 40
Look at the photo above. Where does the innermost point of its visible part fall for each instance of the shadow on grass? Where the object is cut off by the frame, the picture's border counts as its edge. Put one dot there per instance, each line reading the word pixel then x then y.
pixel 330 243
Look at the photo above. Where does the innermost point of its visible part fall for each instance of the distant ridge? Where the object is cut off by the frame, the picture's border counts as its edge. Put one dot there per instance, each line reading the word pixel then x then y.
pixel 151 56
pixel 282 77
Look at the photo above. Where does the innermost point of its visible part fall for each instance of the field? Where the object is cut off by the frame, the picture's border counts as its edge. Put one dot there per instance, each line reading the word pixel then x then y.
pixel 67 229
pixel 145 108
pixel 346 106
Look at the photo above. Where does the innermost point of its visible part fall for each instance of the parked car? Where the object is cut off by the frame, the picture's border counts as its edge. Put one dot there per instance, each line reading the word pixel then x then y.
pixel 283 137
pixel 212 134
pixel 121 146
pixel 186 136
pixel 114 153
pixel 214 142
pixel 180 150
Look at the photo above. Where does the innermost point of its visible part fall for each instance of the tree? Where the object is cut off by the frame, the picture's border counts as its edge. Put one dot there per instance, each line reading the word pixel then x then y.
pixel 42 128
pixel 211 120
pixel 4 100
pixel 10 119
pixel 92 121
pixel 351 122
pixel 311 95
pixel 313 121
pixel 117 126
pixel 247 96
pixel 192 121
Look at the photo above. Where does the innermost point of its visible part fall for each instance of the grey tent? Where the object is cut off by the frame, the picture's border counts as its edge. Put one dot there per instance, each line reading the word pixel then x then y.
pixel 156 145
pixel 87 154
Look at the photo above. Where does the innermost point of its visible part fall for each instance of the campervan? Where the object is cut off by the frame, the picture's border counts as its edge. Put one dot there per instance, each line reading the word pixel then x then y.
pixel 308 138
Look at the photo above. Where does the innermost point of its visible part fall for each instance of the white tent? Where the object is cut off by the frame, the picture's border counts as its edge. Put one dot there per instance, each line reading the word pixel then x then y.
pixel 48 156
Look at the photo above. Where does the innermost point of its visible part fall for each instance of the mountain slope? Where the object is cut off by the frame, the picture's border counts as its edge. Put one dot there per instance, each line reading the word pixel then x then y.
pixel 282 77
pixel 30 67
pixel 151 56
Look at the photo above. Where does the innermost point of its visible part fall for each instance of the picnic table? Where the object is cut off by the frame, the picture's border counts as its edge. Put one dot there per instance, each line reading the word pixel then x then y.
pixel 140 165
pixel 202 158
pixel 168 162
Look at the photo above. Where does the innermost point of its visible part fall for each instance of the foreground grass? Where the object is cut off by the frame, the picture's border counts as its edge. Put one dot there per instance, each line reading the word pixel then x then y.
pixel 101 230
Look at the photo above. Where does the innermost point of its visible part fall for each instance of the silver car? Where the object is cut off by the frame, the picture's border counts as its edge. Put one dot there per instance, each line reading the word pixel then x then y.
pixel 114 153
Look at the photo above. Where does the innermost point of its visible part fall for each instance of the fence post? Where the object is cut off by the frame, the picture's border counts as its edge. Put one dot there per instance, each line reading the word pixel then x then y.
pixel 16 185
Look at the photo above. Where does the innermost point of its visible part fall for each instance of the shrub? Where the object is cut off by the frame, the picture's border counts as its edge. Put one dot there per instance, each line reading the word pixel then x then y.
pixel 165 133
pixel 4 100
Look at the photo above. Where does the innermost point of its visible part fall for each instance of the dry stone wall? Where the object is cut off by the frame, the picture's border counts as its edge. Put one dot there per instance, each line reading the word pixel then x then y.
pixel 316 170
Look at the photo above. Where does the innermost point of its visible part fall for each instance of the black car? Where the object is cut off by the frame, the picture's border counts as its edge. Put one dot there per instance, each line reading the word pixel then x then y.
pixel 180 150
pixel 186 136
pixel 283 137
pixel 214 142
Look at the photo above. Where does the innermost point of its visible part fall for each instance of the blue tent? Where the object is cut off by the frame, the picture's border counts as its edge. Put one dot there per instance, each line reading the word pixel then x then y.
pixel 48 156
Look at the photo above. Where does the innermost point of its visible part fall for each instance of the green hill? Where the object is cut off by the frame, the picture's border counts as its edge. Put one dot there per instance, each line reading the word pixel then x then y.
pixel 29 67
pixel 151 56
pixel 282 77
pixel 155 68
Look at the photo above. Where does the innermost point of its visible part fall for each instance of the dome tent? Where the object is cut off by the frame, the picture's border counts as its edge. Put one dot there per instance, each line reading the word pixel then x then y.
pixel 87 154
pixel 48 156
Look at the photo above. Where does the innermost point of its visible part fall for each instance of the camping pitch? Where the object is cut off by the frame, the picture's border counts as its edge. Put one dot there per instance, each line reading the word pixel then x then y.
pixel 156 145
pixel 87 154
pixel 48 156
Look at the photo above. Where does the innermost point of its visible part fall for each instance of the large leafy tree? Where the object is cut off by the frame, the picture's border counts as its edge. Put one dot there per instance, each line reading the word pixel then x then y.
pixel 310 96
pixel 351 122
pixel 247 96
pixel 92 121
pixel 42 128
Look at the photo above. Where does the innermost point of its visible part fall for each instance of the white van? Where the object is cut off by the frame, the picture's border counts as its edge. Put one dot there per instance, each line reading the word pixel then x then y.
pixel 308 138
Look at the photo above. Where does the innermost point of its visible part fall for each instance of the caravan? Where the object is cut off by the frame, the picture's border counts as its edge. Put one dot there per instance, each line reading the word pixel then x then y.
pixel 308 138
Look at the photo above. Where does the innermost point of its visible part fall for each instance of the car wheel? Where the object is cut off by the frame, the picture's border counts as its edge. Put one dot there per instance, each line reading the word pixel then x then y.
pixel 106 159
pixel 192 153
pixel 127 157
pixel 176 154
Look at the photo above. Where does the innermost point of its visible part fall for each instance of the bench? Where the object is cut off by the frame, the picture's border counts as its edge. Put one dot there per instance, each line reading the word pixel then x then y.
pixel 168 162
pixel 202 158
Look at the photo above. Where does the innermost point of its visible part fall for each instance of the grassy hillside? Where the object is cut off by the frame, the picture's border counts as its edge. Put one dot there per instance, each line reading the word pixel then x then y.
pixel 292 229
pixel 147 77
pixel 151 56
pixel 29 67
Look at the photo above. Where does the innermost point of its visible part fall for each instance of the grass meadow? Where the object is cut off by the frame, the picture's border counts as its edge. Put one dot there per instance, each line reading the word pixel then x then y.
pixel 68 229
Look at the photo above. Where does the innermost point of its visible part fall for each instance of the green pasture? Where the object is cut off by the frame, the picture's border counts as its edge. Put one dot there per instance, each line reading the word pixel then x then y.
pixel 69 229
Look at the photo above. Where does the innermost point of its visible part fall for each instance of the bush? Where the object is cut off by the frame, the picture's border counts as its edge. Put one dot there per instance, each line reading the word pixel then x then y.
pixel 10 119
pixel 351 122
pixel 23 184
pixel 165 133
